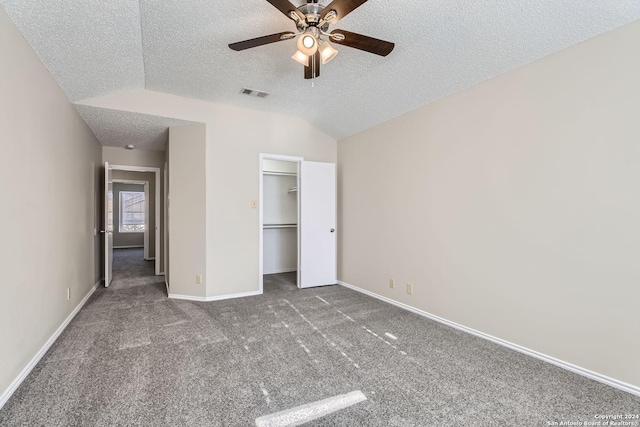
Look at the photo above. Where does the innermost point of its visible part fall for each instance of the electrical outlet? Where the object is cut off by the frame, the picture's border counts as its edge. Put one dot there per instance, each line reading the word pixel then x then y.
pixel 392 283
pixel 68 293
pixel 198 278
pixel 409 288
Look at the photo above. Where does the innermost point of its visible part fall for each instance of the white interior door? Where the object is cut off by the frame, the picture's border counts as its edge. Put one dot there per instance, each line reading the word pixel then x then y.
pixel 317 261
pixel 108 225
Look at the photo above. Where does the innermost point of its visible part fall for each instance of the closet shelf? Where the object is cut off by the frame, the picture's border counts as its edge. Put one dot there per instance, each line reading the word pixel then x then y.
pixel 265 226
pixel 279 173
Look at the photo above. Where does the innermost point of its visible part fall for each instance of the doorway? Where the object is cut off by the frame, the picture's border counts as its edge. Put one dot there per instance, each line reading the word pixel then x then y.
pixel 297 223
pixel 132 221
pixel 131 214
pixel 279 218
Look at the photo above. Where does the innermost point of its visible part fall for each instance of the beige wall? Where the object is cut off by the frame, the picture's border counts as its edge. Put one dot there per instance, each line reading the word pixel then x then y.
pixel 234 139
pixel 126 239
pixel 233 177
pixel 513 207
pixel 124 157
pixel 187 201
pixel 49 182
pixel 145 158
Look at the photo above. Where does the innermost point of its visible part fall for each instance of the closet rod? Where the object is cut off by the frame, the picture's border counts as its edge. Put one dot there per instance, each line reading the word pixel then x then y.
pixel 265 226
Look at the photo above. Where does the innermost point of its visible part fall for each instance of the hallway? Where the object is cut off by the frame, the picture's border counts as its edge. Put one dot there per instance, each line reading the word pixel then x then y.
pixel 130 269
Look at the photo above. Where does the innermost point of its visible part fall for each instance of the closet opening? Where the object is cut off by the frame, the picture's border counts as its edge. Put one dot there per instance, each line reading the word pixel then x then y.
pixel 279 219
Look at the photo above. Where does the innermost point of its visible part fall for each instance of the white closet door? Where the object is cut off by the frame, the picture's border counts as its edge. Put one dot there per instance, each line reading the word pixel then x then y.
pixel 317 224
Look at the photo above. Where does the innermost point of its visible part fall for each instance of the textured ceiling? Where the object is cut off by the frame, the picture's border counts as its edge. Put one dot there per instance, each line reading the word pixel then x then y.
pixel 94 48
pixel 90 47
pixel 120 128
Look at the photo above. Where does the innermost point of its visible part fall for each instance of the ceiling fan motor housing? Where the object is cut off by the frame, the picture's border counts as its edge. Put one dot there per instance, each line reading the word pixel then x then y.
pixel 312 13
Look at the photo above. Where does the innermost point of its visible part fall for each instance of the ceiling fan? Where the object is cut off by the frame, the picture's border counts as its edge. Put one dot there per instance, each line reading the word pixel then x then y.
pixel 312 22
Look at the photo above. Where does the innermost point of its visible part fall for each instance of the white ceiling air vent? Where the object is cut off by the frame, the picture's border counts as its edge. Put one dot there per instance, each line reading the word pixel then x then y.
pixel 253 92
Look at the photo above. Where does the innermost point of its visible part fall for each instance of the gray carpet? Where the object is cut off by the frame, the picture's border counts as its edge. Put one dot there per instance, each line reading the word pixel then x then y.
pixel 134 357
pixel 131 270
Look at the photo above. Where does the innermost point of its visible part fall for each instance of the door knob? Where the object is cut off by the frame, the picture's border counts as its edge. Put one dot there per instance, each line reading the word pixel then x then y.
pixel 332 230
pixel 102 231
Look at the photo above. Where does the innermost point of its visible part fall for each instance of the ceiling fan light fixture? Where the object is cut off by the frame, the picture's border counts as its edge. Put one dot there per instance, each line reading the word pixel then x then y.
pixel 327 52
pixel 312 20
pixel 308 44
pixel 301 58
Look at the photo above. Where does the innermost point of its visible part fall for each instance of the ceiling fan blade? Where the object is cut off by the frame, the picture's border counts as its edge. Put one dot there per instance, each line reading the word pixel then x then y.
pixel 366 43
pixel 285 7
pixel 313 70
pixel 342 8
pixel 260 41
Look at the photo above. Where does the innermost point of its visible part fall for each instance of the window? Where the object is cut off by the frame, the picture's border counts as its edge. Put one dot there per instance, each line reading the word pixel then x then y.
pixel 131 212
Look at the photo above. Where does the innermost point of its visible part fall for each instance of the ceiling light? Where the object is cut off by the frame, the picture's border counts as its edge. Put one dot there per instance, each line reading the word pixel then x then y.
pixel 130 146
pixel 327 52
pixel 308 44
pixel 301 58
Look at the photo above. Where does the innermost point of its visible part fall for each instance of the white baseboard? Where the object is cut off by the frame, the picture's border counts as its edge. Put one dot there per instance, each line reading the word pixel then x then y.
pixel 4 397
pixel 188 297
pixel 629 388
pixel 128 247
pixel 214 298
pixel 230 296
pixel 280 270
pixel 150 258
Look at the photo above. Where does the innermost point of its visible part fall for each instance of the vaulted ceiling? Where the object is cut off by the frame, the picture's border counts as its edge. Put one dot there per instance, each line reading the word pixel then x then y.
pixel 94 48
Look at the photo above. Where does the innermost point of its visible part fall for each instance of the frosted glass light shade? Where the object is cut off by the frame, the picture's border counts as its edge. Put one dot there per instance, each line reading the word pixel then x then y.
pixel 301 58
pixel 308 44
pixel 327 52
